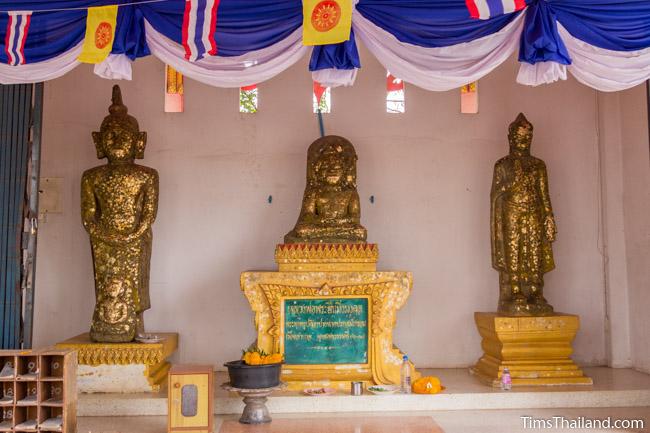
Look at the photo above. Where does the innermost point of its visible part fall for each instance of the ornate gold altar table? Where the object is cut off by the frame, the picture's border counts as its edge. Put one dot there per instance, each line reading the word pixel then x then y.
pixel 328 302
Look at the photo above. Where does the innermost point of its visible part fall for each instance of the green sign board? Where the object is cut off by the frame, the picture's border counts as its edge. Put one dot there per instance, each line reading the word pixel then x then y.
pixel 326 331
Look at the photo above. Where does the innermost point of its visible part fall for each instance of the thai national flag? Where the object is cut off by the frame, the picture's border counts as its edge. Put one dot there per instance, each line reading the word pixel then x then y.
pixel 199 24
pixel 17 28
pixel 484 9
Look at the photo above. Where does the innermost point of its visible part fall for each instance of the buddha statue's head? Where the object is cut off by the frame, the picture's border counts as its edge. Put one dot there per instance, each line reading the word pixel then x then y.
pixel 520 134
pixel 119 138
pixel 331 162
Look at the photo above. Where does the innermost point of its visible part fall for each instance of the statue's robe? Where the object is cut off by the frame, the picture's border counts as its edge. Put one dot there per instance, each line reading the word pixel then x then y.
pixel 122 202
pixel 520 205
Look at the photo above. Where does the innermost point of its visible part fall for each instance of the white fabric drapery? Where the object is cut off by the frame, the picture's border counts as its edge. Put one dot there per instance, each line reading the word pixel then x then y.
pixel 335 77
pixel 443 68
pixel 605 70
pixel 114 67
pixel 438 69
pixel 41 71
pixel 540 73
pixel 250 68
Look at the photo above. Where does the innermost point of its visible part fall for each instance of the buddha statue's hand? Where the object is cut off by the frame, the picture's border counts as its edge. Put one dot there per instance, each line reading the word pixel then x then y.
pixel 96 232
pixel 113 238
pixel 336 222
pixel 549 228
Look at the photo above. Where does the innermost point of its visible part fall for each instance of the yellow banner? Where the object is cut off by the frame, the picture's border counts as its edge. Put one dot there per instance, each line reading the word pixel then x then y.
pixel 326 21
pixel 100 33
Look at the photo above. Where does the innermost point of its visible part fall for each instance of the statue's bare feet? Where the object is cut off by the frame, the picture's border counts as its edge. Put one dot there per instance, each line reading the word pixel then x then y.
pixel 517 305
pixel 139 325
pixel 541 307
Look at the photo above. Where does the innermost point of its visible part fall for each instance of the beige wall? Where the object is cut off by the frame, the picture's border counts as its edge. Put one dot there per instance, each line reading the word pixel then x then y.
pixel 429 170
pixel 636 200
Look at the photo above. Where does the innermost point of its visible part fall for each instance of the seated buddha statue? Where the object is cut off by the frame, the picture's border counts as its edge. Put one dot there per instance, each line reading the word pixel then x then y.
pixel 331 210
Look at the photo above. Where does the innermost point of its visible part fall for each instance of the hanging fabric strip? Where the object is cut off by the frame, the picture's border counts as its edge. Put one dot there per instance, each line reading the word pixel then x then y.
pixel 41 71
pixel 100 34
pixel 199 23
pixel 443 68
pixel 486 9
pixel 235 71
pixel 15 37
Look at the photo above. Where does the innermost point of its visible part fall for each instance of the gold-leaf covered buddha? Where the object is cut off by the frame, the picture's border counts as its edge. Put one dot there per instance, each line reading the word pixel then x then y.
pixel 119 201
pixel 522 226
pixel 331 210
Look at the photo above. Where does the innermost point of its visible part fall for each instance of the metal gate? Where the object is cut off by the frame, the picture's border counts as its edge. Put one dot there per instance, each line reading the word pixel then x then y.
pixel 20 123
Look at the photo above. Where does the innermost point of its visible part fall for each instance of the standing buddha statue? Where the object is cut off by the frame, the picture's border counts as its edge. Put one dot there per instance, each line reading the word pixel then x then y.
pixel 522 226
pixel 331 210
pixel 119 201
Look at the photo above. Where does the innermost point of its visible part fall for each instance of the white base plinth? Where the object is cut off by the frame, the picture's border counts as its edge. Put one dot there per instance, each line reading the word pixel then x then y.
pixel 612 388
pixel 113 379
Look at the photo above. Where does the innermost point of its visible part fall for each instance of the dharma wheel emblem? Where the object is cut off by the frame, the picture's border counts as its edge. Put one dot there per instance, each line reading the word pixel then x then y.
pixel 103 34
pixel 326 15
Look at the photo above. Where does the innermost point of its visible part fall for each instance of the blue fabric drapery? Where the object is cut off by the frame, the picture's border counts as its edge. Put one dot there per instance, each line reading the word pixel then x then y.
pixel 338 56
pixel 50 34
pixel 540 41
pixel 242 25
pixel 249 25
pixel 619 25
pixel 429 23
pixel 129 35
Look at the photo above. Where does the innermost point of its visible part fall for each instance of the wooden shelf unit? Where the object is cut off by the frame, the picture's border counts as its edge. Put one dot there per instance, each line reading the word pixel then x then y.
pixel 43 386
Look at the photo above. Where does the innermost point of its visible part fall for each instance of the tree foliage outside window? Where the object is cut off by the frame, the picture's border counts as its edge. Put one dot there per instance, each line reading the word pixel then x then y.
pixel 325 103
pixel 395 101
pixel 248 100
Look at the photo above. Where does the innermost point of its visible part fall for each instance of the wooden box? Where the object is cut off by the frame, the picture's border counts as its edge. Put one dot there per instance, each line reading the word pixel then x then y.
pixel 190 399
pixel 38 391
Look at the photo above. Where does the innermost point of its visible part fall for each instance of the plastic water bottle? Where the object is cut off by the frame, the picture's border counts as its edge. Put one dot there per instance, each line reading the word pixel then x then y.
pixel 406 375
pixel 506 380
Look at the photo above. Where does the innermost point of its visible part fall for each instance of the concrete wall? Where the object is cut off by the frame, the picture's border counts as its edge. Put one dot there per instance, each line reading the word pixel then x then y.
pixel 429 169
pixel 611 241
pixel 636 205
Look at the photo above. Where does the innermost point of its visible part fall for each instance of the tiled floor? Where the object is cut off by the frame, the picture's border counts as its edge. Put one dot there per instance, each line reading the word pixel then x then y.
pixel 486 421
pixel 334 424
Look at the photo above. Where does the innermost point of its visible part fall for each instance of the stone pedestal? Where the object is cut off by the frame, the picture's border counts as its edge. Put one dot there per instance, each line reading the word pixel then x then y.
pixel 332 280
pixel 121 367
pixel 536 350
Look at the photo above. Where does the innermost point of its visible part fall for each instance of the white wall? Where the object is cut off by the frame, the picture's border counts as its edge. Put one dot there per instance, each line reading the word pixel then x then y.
pixel 430 172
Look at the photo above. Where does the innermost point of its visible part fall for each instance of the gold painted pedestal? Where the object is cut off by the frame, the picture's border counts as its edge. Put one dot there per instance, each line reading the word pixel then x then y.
pixel 536 350
pixel 121 367
pixel 322 271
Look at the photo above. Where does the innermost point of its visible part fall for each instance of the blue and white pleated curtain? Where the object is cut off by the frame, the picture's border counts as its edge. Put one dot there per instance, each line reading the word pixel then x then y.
pixel 436 45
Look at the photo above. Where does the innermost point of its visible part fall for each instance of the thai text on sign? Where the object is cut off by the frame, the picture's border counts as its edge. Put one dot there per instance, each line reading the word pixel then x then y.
pixel 326 331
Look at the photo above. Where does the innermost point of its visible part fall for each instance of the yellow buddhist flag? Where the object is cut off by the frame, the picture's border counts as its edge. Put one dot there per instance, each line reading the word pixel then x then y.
pixel 326 21
pixel 100 33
